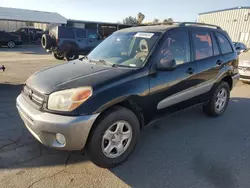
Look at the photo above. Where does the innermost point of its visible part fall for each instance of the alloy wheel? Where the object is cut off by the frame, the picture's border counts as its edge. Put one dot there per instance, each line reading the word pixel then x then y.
pixel 116 139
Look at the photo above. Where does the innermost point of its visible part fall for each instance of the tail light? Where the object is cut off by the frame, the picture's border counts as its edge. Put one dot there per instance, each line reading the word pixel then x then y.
pixel 57 41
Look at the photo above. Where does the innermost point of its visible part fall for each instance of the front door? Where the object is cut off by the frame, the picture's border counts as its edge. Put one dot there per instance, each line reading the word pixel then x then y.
pixel 171 87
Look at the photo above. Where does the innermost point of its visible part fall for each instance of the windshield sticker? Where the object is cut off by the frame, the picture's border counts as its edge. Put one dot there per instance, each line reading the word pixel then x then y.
pixel 132 65
pixel 144 35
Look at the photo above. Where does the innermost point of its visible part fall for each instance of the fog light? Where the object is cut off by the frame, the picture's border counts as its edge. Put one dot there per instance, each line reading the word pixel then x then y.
pixel 60 139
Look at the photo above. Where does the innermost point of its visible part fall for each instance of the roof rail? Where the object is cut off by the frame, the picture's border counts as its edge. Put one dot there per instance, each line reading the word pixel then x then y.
pixel 183 24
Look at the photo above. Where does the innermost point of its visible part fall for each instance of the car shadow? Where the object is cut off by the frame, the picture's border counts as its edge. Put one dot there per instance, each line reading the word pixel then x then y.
pixel 187 147
pixel 192 149
pixel 26 49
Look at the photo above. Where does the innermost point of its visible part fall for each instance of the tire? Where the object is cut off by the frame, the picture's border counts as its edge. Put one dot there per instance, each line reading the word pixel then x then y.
pixel 11 44
pixel 216 106
pixel 96 143
pixel 47 41
pixel 58 56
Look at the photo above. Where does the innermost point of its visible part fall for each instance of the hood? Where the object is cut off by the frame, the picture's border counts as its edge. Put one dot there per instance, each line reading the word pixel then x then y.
pixel 72 75
pixel 244 59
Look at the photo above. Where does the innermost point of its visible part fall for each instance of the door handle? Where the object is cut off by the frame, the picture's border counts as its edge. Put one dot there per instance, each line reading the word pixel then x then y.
pixel 190 71
pixel 90 41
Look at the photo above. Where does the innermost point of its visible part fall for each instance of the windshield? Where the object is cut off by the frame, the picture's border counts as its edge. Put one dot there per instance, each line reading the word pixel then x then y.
pixel 125 48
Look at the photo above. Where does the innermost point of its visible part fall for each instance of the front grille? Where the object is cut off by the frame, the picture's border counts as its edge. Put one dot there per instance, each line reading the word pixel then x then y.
pixel 245 77
pixel 33 96
pixel 244 68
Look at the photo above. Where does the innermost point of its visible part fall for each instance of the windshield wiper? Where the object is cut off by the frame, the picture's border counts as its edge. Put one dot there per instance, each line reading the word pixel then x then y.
pixel 101 61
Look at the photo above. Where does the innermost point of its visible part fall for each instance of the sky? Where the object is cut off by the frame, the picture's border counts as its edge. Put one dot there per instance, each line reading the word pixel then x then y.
pixel 117 10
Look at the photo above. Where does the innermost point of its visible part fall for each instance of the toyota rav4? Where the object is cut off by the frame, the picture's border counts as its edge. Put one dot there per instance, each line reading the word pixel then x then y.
pixel 102 101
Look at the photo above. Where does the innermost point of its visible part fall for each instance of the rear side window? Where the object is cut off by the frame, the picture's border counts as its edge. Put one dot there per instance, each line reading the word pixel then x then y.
pixel 80 33
pixel 224 43
pixel 66 32
pixel 203 47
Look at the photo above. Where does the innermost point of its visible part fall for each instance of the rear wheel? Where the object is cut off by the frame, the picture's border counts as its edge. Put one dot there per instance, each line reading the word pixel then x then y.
pixel 114 137
pixel 11 44
pixel 219 100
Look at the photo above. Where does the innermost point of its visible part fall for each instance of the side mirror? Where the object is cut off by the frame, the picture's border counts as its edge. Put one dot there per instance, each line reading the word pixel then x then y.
pixel 237 48
pixel 166 65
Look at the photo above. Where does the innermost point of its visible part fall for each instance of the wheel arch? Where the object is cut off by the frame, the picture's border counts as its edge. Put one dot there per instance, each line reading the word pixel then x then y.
pixel 129 104
pixel 229 80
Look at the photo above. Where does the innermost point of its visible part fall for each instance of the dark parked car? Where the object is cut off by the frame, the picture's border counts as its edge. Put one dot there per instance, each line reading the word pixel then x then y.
pixel 30 35
pixel 102 101
pixel 9 39
pixel 69 42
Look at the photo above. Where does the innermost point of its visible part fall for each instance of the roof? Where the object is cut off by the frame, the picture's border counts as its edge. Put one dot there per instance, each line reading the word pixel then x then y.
pixel 244 7
pixel 98 22
pixel 14 14
pixel 155 28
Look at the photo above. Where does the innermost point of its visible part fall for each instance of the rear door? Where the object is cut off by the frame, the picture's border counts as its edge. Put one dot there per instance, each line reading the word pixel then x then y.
pixel 208 59
pixel 81 39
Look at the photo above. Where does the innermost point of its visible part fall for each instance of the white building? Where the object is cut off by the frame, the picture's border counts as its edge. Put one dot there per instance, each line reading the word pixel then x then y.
pixel 236 21
pixel 12 19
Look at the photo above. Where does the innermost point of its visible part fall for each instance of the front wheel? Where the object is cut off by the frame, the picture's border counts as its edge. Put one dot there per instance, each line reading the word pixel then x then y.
pixel 219 100
pixel 114 137
pixel 71 56
pixel 59 55
pixel 11 44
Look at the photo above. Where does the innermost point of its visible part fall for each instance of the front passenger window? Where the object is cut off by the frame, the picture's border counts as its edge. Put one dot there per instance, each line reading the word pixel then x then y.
pixel 176 46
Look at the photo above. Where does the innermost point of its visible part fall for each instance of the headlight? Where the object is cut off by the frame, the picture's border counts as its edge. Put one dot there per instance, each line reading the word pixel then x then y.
pixel 68 100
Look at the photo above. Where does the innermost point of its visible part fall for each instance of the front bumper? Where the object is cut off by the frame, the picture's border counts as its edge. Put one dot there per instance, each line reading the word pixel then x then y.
pixel 235 79
pixel 44 126
pixel 245 74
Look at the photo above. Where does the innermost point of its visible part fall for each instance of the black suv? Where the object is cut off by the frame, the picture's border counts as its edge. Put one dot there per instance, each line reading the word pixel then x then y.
pixel 103 101
pixel 29 35
pixel 69 42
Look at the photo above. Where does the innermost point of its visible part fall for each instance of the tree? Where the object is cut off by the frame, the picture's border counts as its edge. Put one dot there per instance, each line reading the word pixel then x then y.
pixel 130 20
pixel 140 17
pixel 168 21
pixel 156 21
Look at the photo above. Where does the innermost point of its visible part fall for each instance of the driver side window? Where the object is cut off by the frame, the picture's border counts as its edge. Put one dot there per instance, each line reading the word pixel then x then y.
pixel 176 46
